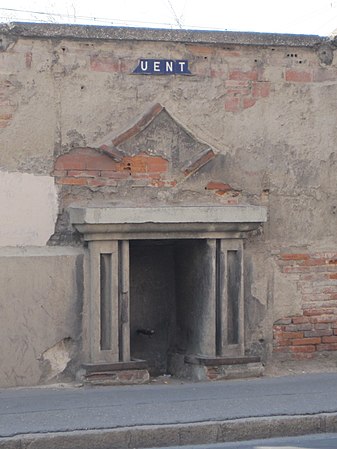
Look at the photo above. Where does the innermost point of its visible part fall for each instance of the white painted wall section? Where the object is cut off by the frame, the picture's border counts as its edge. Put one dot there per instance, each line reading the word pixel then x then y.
pixel 28 209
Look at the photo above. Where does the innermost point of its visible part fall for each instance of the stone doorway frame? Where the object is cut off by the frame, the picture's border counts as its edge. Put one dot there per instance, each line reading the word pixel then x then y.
pixel 108 230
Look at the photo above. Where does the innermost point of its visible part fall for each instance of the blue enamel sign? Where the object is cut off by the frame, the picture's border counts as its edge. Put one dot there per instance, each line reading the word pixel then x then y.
pixel 162 67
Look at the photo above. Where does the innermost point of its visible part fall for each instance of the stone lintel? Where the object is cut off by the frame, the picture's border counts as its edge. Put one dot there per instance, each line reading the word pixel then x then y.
pixel 166 220
pixel 109 232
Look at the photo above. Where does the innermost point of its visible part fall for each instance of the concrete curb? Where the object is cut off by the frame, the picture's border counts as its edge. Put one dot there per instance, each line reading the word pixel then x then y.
pixel 177 434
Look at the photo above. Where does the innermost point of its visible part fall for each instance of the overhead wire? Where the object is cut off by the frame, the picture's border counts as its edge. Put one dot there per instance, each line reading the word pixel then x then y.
pixel 332 19
pixel 175 14
pixel 82 19
pixel 98 19
pixel 306 17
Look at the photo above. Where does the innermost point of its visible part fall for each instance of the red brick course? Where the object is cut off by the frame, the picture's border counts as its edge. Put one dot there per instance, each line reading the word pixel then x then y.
pixel 294 256
pixel 329 339
pixel 242 95
pixel 109 63
pixel 318 333
pixel 301 76
pixel 310 75
pixel 225 190
pixel 233 104
pixel 306 341
pixel 327 347
pixel 89 167
pixel 244 89
pixel 239 75
pixel 297 349
pixel 7 105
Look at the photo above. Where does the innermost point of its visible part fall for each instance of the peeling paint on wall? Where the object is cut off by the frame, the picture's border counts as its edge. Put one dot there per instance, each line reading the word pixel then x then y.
pixel 54 360
pixel 40 305
pixel 28 209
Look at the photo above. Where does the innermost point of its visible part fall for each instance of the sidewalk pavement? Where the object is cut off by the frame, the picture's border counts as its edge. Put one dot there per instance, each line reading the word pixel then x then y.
pixel 162 414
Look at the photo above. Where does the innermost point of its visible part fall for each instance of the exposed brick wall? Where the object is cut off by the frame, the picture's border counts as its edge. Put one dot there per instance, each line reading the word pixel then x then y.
pixel 109 63
pixel 314 331
pixel 225 190
pixel 302 76
pixel 90 167
pixel 7 105
pixel 244 88
pixel 308 75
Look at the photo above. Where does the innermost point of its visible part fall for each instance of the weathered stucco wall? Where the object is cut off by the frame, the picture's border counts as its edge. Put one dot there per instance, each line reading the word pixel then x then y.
pixel 41 314
pixel 29 205
pixel 263 104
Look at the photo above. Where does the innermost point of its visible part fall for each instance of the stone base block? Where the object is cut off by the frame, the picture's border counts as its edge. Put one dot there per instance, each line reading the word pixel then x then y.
pixel 221 372
pixel 122 373
pixel 198 368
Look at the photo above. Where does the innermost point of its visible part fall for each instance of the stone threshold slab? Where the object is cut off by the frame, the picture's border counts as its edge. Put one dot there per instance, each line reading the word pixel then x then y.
pixel 217 361
pixel 118 366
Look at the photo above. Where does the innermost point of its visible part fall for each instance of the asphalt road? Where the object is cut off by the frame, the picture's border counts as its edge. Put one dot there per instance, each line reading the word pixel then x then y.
pixel 41 410
pixel 326 441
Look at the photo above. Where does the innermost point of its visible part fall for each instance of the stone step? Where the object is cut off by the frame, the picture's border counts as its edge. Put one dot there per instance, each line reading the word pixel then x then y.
pixel 119 373
pixel 221 368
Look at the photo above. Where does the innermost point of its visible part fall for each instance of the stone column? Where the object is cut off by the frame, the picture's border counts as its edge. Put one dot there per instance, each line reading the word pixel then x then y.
pixel 109 339
pixel 230 306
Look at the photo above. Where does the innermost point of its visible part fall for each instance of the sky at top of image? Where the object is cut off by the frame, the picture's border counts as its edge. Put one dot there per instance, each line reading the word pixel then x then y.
pixel 286 16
